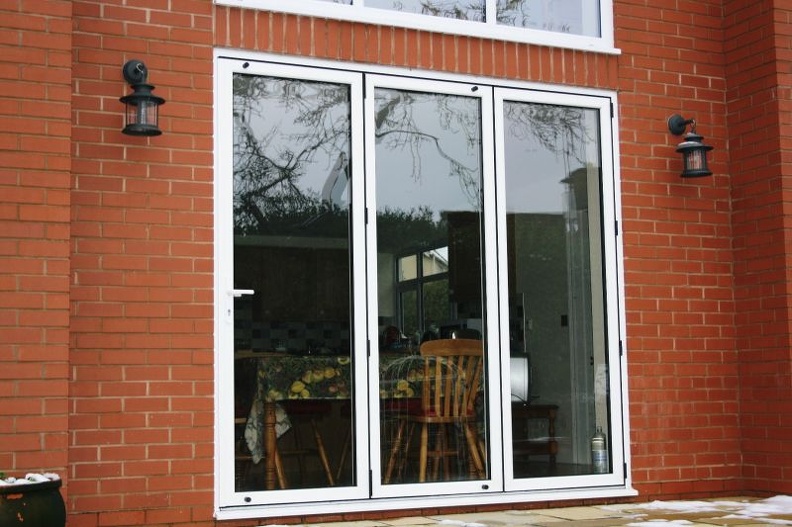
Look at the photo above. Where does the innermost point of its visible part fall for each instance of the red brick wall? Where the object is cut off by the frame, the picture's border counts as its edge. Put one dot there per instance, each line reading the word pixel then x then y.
pixel 142 417
pixel 35 130
pixel 757 52
pixel 683 374
pixel 328 39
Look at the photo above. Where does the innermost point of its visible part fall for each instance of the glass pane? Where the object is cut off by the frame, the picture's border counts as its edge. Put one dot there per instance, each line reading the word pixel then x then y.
pixel 410 331
pixel 461 10
pixel 576 17
pixel 435 261
pixel 408 268
pixel 428 188
pixel 558 360
pixel 292 253
pixel 436 307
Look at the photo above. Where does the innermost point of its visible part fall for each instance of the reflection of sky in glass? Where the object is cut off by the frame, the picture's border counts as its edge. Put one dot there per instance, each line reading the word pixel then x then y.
pixel 534 172
pixel 462 10
pixel 420 138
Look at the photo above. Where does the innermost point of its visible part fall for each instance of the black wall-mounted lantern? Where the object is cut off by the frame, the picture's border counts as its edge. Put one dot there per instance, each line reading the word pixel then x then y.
pixel 142 106
pixel 693 150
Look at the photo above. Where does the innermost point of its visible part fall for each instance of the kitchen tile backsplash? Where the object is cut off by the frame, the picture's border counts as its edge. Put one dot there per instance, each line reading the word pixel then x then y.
pixel 295 337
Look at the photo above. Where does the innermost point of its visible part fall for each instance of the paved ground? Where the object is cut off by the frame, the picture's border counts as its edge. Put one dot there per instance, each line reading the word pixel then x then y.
pixel 726 512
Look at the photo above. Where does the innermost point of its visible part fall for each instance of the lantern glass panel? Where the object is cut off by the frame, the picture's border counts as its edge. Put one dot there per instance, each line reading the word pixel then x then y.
pixel 695 160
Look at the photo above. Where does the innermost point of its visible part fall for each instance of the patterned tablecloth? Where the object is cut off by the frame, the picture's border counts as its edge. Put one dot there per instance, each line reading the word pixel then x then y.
pixel 283 377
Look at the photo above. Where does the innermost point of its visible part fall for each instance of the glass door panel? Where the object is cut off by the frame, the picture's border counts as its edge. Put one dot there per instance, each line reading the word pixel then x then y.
pixel 558 367
pixel 429 225
pixel 293 307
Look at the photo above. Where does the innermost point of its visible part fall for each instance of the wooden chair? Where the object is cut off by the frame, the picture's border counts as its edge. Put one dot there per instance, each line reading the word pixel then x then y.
pixel 452 374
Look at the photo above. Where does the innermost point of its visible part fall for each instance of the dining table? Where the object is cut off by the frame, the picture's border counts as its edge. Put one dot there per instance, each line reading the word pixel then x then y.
pixel 284 376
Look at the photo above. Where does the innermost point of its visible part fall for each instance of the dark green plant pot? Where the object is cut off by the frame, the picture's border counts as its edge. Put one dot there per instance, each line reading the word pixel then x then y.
pixel 32 505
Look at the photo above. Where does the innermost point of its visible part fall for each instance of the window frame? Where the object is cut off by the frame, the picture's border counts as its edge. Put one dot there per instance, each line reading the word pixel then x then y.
pixel 491 30
pixel 618 484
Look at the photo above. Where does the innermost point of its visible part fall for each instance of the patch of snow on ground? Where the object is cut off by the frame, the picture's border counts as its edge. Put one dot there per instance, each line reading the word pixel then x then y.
pixel 29 478
pixel 664 523
pixel 460 523
pixel 732 509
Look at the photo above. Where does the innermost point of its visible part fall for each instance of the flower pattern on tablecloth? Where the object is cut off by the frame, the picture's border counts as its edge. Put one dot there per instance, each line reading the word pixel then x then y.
pixel 284 377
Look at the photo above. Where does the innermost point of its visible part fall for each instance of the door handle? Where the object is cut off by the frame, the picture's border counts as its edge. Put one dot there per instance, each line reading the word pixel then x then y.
pixel 236 293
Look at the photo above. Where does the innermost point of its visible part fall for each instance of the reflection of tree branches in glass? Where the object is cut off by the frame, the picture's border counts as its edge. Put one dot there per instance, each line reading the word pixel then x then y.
pixel 269 162
pixel 396 128
pixel 514 13
pixel 473 11
pixel 559 129
pixel 272 156
pixel 517 13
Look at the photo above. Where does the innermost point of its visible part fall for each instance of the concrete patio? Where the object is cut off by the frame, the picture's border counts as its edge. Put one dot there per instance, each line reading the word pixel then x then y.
pixel 726 512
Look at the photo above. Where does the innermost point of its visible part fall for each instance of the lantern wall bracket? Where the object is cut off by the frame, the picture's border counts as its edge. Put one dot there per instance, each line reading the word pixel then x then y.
pixel 135 72
pixel 677 124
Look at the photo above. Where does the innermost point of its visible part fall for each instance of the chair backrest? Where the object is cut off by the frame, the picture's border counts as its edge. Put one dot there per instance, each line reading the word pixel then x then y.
pixel 451 377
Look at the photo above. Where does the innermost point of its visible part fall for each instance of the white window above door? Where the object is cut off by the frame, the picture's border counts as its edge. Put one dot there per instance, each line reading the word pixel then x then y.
pixel 572 24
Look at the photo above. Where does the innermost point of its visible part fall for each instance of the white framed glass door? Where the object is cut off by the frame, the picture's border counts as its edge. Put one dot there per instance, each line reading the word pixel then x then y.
pixel 431 217
pixel 292 334
pixel 562 377
pixel 361 215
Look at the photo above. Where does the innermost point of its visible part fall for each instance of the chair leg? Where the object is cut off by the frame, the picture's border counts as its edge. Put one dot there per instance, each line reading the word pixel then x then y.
pixel 345 449
pixel 438 453
pixel 475 456
pixel 394 452
pixel 280 473
pixel 424 452
pixel 322 453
